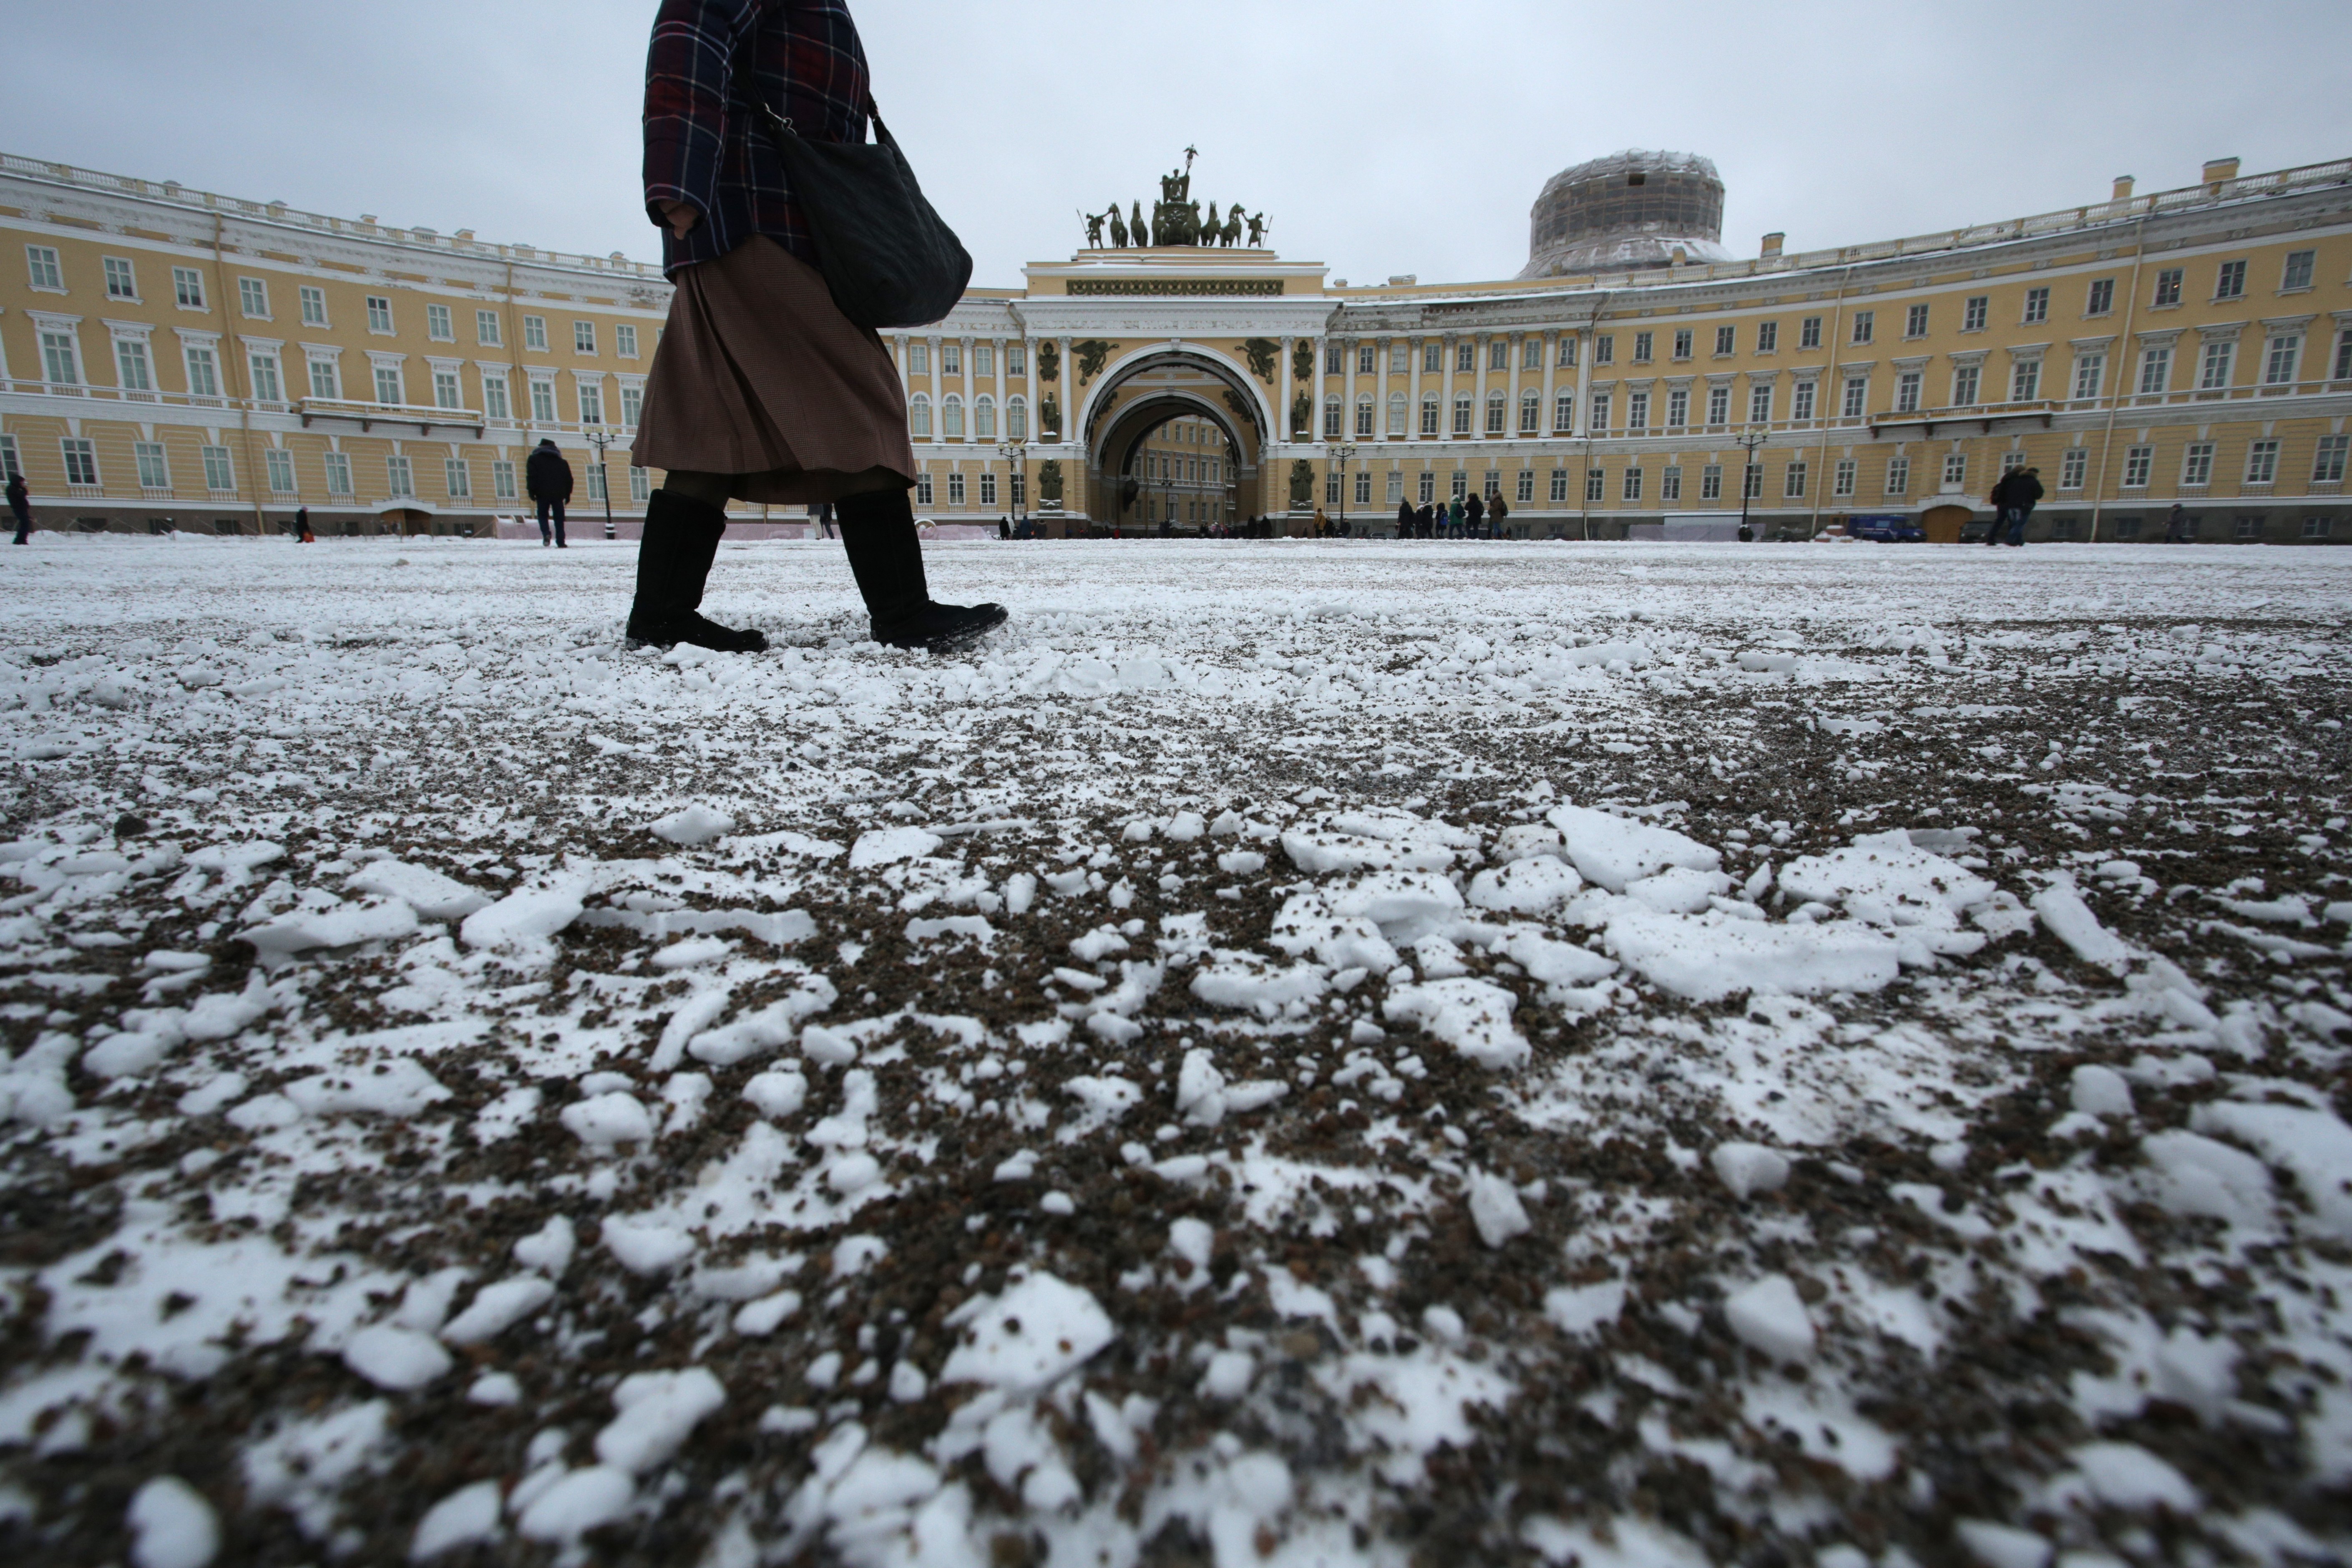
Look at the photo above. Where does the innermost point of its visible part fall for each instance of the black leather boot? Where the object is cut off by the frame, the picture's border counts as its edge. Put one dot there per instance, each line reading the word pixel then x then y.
pixel 674 559
pixel 878 530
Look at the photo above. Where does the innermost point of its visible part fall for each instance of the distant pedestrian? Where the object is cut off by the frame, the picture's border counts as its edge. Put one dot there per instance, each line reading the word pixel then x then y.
pixel 302 534
pixel 2024 489
pixel 1405 520
pixel 547 477
pixel 1453 519
pixel 1322 524
pixel 1474 513
pixel 2178 529
pixel 21 503
pixel 1500 512
pixel 1999 499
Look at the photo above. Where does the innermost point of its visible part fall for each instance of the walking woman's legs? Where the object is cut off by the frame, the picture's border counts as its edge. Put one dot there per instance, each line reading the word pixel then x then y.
pixel 877 532
pixel 683 522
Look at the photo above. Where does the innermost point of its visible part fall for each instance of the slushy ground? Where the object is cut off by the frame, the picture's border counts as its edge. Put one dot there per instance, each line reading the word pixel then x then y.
pixel 1290 1054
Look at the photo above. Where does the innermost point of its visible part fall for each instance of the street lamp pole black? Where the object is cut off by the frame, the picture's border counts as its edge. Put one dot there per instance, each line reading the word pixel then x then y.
pixel 1343 450
pixel 600 440
pixel 1747 444
pixel 1017 455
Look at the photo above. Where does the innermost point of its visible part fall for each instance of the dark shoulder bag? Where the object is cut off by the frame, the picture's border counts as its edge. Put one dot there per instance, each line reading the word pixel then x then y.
pixel 889 259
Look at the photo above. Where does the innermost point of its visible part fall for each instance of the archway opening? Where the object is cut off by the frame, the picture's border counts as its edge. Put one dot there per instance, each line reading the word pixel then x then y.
pixel 1174 441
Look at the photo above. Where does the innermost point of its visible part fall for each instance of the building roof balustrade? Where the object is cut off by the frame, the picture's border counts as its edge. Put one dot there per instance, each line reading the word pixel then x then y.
pixel 370 415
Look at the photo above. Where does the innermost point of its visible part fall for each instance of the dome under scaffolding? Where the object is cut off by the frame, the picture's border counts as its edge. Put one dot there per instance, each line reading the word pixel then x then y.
pixel 1625 213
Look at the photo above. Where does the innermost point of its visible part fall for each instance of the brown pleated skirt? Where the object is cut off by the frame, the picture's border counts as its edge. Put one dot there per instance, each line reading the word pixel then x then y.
pixel 761 376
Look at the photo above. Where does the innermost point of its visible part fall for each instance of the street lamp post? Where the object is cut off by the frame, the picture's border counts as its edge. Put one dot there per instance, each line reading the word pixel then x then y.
pixel 1017 454
pixel 601 438
pixel 1342 451
pixel 1747 444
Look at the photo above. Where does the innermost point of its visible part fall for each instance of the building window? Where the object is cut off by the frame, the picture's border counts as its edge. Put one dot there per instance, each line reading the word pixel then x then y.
pixel 1842 480
pixel 1907 391
pixel 1964 386
pixel 2327 463
pixel 988 488
pixel 1595 485
pixel 535 332
pixel 1801 404
pixel 2073 468
pixel 2196 464
pixel 460 478
pixel 121 282
pixel 984 360
pixel 82 461
pixel 154 467
pixel 314 306
pixel 583 337
pixel 1016 418
pixel 1559 487
pixel 1768 337
pixel 279 465
pixel 378 313
pixel 1857 396
pixel 1975 312
pixel 1433 358
pixel 485 328
pixel 445 390
pixel 1637 411
pixel 2314 528
pixel 2139 461
pixel 1016 363
pixel 325 381
pixel 503 479
pixel 1367 358
pixel 2037 305
pixel 2279 361
pixel 2344 356
pixel 1642 342
pixel 1397 414
pixel 1726 340
pixel 387 384
pixel 2103 298
pixel 1365 416
pixel 1809 333
pixel 919 415
pixel 919 359
pixel 1428 488
pixel 2011 461
pixel 2169 284
pixel 1955 470
pixel 1898 475
pixel 2155 370
pixel 1363 487
pixel 399 480
pixel 1530 413
pixel 543 401
pixel 1530 354
pixel 983 418
pixel 338 473
pixel 1599 411
pixel 2261 463
pixel 220 479
pixel 1332 416
pixel 1710 482
pixel 265 387
pixel 2230 281
pixel 1462 414
pixel 1865 322
pixel 1563 413
pixel 1632 488
pixel 1526 489
pixel 1605 349
pixel 1499 354
pixel 131 368
pixel 955 490
pixel 923 492
pixel 1915 323
pixel 625 341
pixel 1677 408
pixel 1429 413
pixel 1753 480
pixel 1465 357
pixel 632 407
pixel 2249 528
pixel 1683 338
pixel 2297 276
pixel 641 485
pixel 595 477
pixel 41 262
pixel 1566 352
pixel 439 325
pixel 1760 404
pixel 1718 404
pixel 204 374
pixel 2215 375
pixel 1793 485
pixel 2090 370
pixel 493 396
pixel 1670 483
pixel 951 418
pixel 1331 486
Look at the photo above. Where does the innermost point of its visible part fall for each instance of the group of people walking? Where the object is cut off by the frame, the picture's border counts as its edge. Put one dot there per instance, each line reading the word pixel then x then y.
pixel 1471 516
pixel 2013 498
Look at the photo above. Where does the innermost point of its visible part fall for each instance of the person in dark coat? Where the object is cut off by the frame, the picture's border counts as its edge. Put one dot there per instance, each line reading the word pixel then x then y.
pixel 1498 512
pixel 1405 520
pixel 302 534
pixel 1473 517
pixel 2178 529
pixel 547 479
pixel 2024 489
pixel 20 502
pixel 762 389
pixel 1999 499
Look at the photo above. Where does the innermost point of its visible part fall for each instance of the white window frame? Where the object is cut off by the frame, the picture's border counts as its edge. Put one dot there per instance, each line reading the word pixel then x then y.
pixel 399 476
pixel 624 340
pixel 339 474
pixel 314 305
pixel 488 331
pixel 583 338
pixel 44 270
pixel 220 471
pixel 379 315
pixel 277 464
pixel 122 270
pixel 252 299
pixel 440 323
pixel 153 462
pixel 534 333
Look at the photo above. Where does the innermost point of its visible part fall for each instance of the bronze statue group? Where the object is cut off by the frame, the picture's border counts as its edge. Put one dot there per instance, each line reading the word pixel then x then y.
pixel 1175 219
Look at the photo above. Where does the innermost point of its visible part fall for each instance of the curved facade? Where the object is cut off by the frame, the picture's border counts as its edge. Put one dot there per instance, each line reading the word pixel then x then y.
pixel 1625 213
pixel 172 358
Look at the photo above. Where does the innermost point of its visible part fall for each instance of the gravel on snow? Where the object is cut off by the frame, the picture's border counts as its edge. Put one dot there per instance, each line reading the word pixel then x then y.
pixel 1289 1054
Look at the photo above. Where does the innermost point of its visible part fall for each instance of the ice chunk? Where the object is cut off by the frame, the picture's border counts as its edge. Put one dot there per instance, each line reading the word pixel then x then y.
pixel 604 1121
pixel 1471 1016
pixel 776 1024
pixel 344 926
pixel 1039 1329
pixel 1200 1090
pixel 695 825
pixel 1525 841
pixel 397 1087
pixel 577 1503
pixel 549 1249
pixel 1749 1168
pixel 888 845
pixel 1406 905
pixel 1709 957
pixel 2195 1175
pixel 2101 1091
pixel 2070 920
pixel 1306 924
pixel 2125 1475
pixel 657 1411
pixel 777 1095
pixel 1243 980
pixel 498 1308
pixel 2004 1545
pixel 2313 1146
pixel 521 925
pixel 1614 850
pixel 396 1358
pixel 428 893
pixel 172 1525
pixel 1770 1317
pixel 466 1516
pixel 1185 827
pixel 1528 886
pixel 1887 879
pixel 1496 1209
pixel 1579 1309
pixel 1678 890
pixel 1228 1375
pixel 646 1246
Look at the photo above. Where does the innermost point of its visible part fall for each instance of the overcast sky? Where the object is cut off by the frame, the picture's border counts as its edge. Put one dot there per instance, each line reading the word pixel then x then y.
pixel 1383 137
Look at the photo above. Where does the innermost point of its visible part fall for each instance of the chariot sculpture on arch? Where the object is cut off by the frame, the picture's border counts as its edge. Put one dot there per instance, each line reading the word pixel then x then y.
pixel 1175 219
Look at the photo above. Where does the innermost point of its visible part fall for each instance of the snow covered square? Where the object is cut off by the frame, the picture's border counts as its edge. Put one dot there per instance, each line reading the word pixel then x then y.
pixel 1291 1053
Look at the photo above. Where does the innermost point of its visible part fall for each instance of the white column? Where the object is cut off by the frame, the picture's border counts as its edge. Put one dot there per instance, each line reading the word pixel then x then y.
pixel 1550 354
pixel 1478 393
pixel 998 345
pixel 1350 348
pixel 1383 349
pixel 966 368
pixel 1519 342
pixel 1583 387
pixel 1412 391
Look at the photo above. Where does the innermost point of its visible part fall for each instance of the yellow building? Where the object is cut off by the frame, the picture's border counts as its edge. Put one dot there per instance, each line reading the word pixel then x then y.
pixel 170 354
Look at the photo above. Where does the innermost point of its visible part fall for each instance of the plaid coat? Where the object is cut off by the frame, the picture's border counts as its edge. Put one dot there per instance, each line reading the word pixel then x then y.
pixel 713 65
